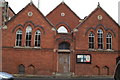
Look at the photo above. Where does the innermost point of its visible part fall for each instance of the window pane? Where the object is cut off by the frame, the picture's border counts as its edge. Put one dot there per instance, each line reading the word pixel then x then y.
pixel 28 35
pixel 100 39
pixel 37 38
pixel 91 40
pixel 109 41
pixel 19 38
pixel 62 29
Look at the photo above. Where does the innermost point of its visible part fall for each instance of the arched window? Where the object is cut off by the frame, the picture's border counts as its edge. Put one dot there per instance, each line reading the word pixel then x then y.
pixel 21 69
pixel 28 36
pixel 62 29
pixel 37 38
pixel 109 41
pixel 64 45
pixel 19 38
pixel 100 39
pixel 91 40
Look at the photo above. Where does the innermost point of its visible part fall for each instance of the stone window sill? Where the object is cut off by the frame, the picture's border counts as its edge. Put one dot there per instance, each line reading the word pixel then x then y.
pixel 27 47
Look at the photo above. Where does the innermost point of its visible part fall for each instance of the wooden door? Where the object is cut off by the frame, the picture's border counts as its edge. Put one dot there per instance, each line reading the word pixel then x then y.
pixel 63 63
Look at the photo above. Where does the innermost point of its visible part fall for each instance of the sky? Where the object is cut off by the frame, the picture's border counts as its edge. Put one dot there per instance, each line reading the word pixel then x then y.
pixel 81 7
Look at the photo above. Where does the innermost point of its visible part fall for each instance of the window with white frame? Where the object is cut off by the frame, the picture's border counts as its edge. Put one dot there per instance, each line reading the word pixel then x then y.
pixel 62 29
pixel 100 39
pixel 109 41
pixel 19 38
pixel 37 38
pixel 91 40
pixel 28 36
pixel 83 58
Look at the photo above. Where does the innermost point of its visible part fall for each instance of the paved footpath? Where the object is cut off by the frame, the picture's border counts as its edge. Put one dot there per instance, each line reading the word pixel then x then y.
pixel 84 78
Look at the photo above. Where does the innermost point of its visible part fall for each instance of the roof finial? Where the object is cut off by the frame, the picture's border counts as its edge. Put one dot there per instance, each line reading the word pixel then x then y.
pixel 31 1
pixel 98 4
pixel 62 1
pixel 38 4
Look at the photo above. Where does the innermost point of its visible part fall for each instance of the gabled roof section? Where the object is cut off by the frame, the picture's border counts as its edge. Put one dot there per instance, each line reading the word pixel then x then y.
pixel 32 5
pixel 63 14
pixel 60 5
pixel 93 13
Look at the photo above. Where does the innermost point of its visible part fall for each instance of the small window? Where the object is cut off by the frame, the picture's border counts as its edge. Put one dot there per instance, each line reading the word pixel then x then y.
pixel 91 41
pixel 62 29
pixel 21 69
pixel 64 45
pixel 83 58
pixel 37 38
pixel 100 39
pixel 28 36
pixel 109 41
pixel 19 38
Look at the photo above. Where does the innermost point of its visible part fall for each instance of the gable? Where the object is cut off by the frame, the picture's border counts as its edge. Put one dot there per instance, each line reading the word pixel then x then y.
pixel 29 13
pixel 63 14
pixel 93 19
pixel 28 16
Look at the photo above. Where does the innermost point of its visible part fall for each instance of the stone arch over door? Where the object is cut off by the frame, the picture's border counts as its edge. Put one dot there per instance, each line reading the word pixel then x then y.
pixel 105 70
pixel 31 69
pixel 96 70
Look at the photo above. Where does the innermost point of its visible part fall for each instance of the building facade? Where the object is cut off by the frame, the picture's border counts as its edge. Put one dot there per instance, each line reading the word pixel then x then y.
pixel 60 43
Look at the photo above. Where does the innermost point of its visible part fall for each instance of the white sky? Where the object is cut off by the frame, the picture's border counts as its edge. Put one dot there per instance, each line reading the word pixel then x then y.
pixel 81 7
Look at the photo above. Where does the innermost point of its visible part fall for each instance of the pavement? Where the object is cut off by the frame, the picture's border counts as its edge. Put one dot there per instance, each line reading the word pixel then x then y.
pixel 32 77
pixel 64 78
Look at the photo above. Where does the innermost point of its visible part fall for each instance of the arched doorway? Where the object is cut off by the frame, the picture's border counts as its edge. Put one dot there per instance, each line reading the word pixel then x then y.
pixel 64 57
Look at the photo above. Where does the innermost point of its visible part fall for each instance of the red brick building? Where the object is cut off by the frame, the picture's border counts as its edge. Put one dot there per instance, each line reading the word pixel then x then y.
pixel 60 43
